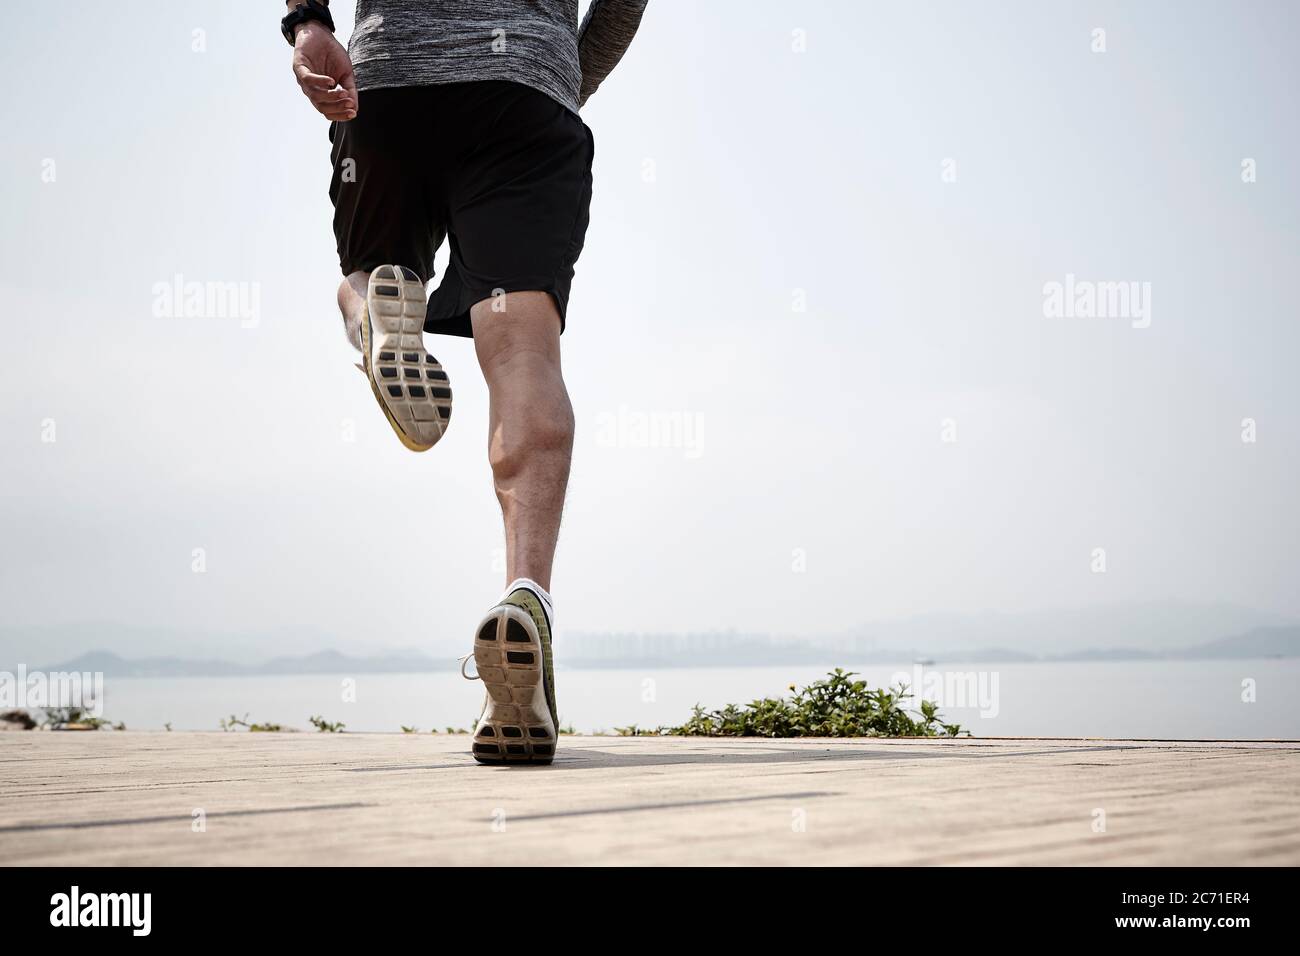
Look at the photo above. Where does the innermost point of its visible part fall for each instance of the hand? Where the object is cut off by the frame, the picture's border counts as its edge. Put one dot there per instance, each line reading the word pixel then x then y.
pixel 324 71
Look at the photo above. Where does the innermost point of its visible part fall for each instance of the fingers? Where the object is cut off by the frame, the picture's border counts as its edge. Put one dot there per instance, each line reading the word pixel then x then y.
pixel 332 101
pixel 338 114
pixel 349 83
pixel 309 80
pixel 337 104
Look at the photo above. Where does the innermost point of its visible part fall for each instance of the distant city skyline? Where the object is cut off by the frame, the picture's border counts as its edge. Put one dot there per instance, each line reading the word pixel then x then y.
pixel 1119 632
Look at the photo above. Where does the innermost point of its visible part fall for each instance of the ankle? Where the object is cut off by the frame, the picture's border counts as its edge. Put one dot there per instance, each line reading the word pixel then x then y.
pixel 352 304
pixel 531 584
pixel 352 329
pixel 543 594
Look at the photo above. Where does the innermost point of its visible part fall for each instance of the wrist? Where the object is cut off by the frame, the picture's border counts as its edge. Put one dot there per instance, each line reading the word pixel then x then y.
pixel 301 14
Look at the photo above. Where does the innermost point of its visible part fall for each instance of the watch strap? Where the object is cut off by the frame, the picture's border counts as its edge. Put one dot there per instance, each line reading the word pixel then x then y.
pixel 304 12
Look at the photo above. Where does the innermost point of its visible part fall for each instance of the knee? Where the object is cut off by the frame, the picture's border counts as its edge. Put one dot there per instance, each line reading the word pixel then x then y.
pixel 534 432
pixel 542 448
pixel 519 351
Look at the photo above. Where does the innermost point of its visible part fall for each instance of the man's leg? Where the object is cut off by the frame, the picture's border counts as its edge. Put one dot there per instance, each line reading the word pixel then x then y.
pixel 352 299
pixel 530 425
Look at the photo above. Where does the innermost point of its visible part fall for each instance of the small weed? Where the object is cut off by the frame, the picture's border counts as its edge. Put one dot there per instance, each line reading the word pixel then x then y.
pixel 75 718
pixel 635 731
pixel 234 723
pixel 325 726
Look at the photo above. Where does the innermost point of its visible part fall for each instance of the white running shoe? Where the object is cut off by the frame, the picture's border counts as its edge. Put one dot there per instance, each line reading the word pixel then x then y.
pixel 409 384
pixel 512 652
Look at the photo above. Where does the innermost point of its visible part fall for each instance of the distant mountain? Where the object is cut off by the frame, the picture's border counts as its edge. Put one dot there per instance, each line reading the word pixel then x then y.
pixel 111 665
pixel 1258 642
pixel 28 643
pixel 945 639
pixel 1153 626
pixel 983 655
pixel 1106 654
pixel 324 662
pixel 332 662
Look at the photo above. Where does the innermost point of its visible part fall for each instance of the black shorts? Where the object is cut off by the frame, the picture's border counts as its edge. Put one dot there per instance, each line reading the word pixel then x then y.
pixel 499 168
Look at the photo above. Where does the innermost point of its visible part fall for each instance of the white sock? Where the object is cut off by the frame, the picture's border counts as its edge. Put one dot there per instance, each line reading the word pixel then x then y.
pixel 542 596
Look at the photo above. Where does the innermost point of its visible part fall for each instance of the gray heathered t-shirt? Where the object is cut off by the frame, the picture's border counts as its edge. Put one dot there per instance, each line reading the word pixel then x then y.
pixel 534 42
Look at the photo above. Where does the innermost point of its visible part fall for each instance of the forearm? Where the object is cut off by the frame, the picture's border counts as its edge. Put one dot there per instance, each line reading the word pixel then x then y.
pixel 605 36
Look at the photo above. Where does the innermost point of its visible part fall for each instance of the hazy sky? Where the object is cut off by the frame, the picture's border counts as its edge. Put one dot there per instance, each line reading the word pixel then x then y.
pixel 809 249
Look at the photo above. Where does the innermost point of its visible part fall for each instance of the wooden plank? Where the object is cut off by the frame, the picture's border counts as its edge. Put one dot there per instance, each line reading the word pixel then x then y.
pixel 132 798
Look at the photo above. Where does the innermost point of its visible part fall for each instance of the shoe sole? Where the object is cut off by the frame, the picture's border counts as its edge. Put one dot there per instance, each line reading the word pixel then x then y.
pixel 516 725
pixel 409 384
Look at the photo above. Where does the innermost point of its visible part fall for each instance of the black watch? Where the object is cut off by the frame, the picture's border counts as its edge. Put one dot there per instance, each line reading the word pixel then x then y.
pixel 308 10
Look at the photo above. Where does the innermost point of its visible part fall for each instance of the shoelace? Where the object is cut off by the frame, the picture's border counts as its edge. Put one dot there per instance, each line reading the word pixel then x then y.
pixel 463 661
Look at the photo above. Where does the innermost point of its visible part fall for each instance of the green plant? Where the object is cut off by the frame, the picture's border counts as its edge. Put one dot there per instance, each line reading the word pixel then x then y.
pixel 411 730
pixel 57 717
pixel 837 706
pixel 60 718
pixel 232 723
pixel 325 726
pixel 635 731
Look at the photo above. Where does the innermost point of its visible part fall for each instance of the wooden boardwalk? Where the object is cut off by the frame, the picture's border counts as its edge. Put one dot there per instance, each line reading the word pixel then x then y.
pixel 239 798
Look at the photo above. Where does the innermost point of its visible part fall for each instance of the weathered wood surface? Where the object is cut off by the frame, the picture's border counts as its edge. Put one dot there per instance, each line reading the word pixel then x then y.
pixel 131 798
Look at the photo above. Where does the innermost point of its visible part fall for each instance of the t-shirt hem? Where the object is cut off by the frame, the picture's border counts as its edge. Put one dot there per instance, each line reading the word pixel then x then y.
pixel 405 71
